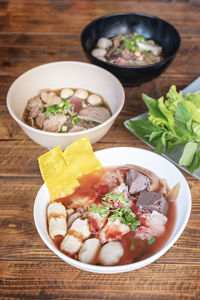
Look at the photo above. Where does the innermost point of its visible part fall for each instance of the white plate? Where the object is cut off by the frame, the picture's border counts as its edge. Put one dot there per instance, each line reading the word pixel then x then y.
pixel 175 154
pixel 119 157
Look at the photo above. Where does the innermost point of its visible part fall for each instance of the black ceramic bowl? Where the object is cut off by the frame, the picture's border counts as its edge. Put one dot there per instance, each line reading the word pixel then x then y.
pixel 163 33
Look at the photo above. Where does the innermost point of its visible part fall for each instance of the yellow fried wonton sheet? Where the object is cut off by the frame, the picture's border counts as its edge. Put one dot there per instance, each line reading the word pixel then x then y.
pixel 60 171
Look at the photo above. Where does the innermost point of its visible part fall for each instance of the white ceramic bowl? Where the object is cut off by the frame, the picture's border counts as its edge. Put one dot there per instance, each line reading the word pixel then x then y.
pixel 118 157
pixel 59 75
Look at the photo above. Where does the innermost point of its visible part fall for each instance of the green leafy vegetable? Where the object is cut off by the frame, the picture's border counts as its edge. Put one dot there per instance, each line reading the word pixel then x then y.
pixel 172 122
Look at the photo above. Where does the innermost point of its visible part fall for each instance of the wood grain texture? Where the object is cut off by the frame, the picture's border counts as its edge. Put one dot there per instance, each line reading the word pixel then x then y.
pixel 41 31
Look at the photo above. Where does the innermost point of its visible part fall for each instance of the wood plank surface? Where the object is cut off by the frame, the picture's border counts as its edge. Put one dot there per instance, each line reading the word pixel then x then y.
pixel 41 31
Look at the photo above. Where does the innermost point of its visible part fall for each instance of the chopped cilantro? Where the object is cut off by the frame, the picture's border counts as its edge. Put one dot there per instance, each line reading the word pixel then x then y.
pixel 99 209
pixel 115 197
pixel 145 51
pixel 107 204
pixel 151 241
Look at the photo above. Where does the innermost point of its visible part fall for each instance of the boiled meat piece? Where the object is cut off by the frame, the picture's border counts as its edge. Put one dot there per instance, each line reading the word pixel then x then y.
pixel 54 122
pixel 89 250
pixel 95 114
pixel 39 120
pixel 77 128
pixel 111 253
pixel 136 181
pixel 97 221
pixel 152 201
pixel 34 106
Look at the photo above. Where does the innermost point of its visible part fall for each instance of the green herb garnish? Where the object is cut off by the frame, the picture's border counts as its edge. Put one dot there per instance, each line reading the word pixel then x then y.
pixel 151 241
pixel 115 197
pixel 99 209
pixel 125 216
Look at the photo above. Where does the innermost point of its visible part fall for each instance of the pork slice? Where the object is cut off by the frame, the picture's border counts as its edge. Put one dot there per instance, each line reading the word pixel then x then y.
pixel 136 181
pixel 152 201
pixel 77 128
pixel 39 120
pixel 155 226
pixel 33 106
pixel 97 114
pixel 54 123
pixel 113 231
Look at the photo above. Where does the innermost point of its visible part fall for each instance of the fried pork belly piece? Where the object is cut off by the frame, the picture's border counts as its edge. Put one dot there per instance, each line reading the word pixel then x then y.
pixel 111 253
pixel 113 231
pixel 89 250
pixel 155 226
pixel 56 215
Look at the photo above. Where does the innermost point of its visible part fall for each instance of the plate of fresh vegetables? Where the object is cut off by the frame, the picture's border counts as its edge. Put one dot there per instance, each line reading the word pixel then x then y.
pixel 172 126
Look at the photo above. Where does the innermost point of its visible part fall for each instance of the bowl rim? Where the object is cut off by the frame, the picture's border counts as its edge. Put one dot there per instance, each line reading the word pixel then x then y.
pixel 130 67
pixel 121 268
pixel 59 134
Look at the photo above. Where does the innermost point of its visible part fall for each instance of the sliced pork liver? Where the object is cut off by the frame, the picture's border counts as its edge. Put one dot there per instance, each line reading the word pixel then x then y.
pixel 152 201
pixel 136 181
pixel 95 114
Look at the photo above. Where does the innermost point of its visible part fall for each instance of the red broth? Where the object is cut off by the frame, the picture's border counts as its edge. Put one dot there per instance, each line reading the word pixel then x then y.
pixel 91 185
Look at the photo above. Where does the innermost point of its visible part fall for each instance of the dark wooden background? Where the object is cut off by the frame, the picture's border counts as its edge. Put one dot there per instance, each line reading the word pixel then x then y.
pixel 41 31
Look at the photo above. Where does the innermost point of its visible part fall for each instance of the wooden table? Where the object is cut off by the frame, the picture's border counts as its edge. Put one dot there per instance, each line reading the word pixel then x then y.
pixel 36 32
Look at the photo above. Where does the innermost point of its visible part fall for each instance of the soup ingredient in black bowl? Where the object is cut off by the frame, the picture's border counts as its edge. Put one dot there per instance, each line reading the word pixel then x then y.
pixel 66 110
pixel 128 50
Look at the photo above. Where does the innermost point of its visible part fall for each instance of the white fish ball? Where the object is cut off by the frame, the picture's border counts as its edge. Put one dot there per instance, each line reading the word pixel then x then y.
pixel 94 99
pixel 98 52
pixel 66 93
pixel 89 250
pixel 82 94
pixel 104 43
pixel 111 253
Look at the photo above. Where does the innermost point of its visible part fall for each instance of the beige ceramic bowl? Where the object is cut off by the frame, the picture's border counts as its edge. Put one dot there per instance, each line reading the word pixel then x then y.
pixel 59 75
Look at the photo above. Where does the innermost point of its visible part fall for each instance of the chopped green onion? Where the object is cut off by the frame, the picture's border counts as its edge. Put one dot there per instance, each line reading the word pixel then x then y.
pixel 61 104
pixel 75 120
pixel 64 128
pixel 43 108
pixel 151 241
pixel 132 247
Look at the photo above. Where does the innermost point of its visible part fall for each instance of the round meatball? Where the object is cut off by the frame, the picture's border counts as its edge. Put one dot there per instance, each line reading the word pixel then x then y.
pixel 89 250
pixel 111 253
